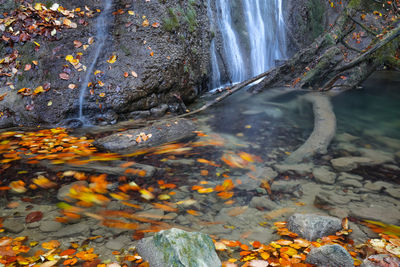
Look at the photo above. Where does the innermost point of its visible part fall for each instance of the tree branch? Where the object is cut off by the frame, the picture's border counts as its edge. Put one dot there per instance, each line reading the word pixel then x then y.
pixel 393 34
pixel 363 26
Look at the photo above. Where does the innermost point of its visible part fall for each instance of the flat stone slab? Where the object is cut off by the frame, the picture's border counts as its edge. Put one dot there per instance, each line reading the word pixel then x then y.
pixel 161 133
pixel 381 213
pixel 301 168
pixel 350 163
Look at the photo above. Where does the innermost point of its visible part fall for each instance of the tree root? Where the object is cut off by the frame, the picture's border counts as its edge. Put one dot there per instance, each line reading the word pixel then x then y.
pixel 324 129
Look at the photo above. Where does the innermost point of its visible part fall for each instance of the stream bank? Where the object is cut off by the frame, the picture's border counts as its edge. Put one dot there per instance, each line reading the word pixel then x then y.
pixel 161 51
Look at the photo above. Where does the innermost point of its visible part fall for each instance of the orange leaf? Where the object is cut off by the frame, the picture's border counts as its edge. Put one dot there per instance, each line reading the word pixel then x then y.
pixel 68 252
pixel 72 261
pixel 193 212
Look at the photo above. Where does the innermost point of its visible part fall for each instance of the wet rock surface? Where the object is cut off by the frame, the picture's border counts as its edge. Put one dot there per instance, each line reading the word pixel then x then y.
pixel 176 247
pixel 312 227
pixel 166 65
pixel 330 256
pixel 159 133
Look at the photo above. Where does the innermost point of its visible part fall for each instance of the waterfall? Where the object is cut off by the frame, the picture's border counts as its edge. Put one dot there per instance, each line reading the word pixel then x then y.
pixel 100 40
pixel 230 40
pixel 252 36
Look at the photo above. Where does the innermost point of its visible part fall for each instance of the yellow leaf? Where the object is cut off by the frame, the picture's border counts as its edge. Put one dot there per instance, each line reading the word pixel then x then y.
pixel 130 12
pixel 205 190
pixel 112 59
pixel 38 6
pixel 38 90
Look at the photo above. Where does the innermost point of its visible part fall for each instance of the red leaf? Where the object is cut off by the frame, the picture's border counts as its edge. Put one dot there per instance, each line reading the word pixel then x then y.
pixel 34 217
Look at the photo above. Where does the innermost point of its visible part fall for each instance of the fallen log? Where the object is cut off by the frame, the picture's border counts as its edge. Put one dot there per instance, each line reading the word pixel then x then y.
pixel 324 129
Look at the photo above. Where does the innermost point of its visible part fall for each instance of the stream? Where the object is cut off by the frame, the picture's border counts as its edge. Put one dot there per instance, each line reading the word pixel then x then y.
pixel 230 181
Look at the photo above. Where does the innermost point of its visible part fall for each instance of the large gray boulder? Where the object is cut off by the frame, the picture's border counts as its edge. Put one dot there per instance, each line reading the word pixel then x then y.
pixel 330 256
pixel 163 132
pixel 312 226
pixel 178 248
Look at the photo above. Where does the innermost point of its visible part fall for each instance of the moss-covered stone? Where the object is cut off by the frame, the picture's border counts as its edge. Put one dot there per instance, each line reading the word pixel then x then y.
pixel 178 248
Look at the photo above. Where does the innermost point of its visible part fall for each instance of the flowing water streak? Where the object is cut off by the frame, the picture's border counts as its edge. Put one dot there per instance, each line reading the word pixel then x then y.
pixel 230 41
pixel 216 75
pixel 101 36
pixel 257 38
pixel 265 36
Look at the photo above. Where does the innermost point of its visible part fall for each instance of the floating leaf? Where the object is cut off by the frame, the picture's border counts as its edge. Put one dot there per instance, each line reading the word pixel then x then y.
pixel 112 59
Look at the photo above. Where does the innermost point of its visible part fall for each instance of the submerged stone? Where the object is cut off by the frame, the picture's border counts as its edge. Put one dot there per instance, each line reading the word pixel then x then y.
pixel 330 256
pixel 178 248
pixel 157 134
pixel 323 175
pixel 350 163
pixel 312 226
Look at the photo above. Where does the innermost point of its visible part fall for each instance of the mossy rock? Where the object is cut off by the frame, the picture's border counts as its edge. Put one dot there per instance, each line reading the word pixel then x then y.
pixel 178 248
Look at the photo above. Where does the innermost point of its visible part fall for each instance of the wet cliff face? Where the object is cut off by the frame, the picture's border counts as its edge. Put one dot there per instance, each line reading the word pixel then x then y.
pixel 306 20
pixel 162 56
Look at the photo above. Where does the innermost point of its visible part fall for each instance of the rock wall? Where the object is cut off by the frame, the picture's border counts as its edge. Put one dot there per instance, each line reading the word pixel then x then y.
pixel 162 50
pixel 306 20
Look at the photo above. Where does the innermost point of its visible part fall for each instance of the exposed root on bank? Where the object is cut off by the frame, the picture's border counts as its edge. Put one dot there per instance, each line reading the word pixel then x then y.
pixel 324 129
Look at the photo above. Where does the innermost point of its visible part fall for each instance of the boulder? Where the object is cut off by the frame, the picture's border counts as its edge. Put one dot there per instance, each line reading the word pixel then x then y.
pixel 175 247
pixel 161 133
pixel 312 226
pixel 330 256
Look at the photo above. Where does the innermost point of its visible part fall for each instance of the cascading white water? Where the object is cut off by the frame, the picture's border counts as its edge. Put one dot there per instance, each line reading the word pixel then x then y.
pixel 101 37
pixel 230 40
pixel 253 43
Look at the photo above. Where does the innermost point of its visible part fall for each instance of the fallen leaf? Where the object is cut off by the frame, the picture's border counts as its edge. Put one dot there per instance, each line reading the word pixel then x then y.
pixel 63 76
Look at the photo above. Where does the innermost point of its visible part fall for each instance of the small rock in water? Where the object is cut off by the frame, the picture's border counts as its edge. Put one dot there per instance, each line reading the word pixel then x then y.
pixel 312 226
pixel 351 182
pixel 301 169
pixel 262 203
pixel 115 244
pixel 175 247
pixel 288 187
pixel 346 176
pixel 349 163
pixel 81 229
pixel 50 226
pixel 323 175
pixel 13 226
pixel 381 260
pixel 393 192
pixel 330 256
